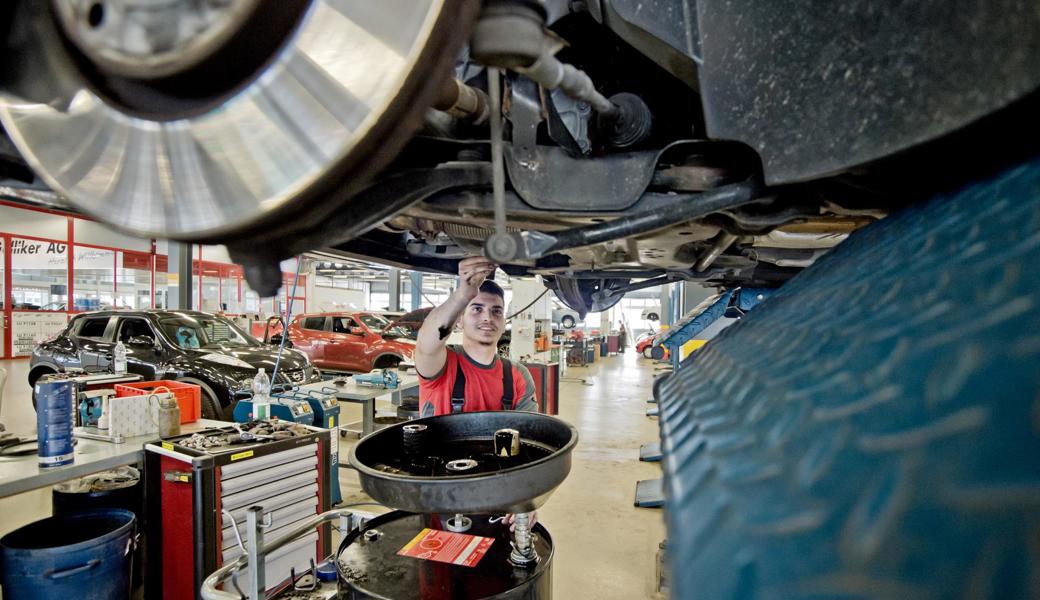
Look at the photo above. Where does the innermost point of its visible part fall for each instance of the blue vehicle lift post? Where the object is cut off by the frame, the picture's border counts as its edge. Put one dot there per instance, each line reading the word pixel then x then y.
pixel 731 303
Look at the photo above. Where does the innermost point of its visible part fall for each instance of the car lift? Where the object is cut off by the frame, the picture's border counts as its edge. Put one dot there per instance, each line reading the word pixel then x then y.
pixel 734 303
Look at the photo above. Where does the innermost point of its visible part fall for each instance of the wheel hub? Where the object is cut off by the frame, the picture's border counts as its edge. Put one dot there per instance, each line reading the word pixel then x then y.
pixel 149 39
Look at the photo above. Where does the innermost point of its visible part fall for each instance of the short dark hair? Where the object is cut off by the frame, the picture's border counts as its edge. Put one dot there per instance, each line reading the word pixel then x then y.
pixel 490 287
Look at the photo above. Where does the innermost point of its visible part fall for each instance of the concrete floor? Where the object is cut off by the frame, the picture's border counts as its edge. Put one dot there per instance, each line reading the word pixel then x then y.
pixel 605 547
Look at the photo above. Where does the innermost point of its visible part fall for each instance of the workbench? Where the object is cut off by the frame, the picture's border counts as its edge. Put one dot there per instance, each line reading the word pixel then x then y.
pixel 366 395
pixel 23 473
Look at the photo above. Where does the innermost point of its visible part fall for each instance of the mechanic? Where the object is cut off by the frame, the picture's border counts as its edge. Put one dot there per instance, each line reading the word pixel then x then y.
pixel 471 377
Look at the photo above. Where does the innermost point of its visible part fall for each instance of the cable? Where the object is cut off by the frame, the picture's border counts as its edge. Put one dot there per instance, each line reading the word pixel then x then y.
pixel 529 305
pixel 288 316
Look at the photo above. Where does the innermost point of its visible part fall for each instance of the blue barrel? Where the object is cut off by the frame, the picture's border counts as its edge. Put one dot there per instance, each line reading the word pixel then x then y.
pixel 84 555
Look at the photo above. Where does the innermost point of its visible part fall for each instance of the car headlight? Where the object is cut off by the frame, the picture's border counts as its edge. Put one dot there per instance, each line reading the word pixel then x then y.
pixel 224 359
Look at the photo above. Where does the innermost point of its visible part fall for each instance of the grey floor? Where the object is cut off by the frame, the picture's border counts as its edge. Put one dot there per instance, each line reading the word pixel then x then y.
pixel 605 547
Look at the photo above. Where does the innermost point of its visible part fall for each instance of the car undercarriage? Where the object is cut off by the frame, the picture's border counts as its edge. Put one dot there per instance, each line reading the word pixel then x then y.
pixel 625 168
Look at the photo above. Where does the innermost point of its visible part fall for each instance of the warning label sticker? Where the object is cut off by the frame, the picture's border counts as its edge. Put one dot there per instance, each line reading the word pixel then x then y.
pixel 447 547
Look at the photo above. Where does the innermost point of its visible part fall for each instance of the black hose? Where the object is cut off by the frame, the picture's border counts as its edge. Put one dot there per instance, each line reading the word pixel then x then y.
pixel 685 208
pixel 529 305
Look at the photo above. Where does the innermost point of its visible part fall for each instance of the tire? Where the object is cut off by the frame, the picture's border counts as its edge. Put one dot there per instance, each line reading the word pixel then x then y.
pixel 567 322
pixel 37 372
pixel 211 408
pixel 34 376
pixel 871 430
pixel 653 317
pixel 647 352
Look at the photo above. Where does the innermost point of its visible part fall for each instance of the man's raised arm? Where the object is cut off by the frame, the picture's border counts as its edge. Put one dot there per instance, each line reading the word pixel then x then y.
pixel 430 350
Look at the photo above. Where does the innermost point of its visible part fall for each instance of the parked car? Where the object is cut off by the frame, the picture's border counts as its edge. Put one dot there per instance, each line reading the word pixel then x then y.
pixel 645 344
pixel 189 346
pixel 565 317
pixel 410 322
pixel 351 341
pixel 651 313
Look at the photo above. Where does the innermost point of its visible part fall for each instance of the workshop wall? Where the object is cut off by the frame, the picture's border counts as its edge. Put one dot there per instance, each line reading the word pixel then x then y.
pixel 54 265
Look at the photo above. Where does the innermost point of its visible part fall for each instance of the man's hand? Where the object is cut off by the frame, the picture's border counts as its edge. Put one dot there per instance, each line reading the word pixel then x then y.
pixel 472 272
pixel 430 353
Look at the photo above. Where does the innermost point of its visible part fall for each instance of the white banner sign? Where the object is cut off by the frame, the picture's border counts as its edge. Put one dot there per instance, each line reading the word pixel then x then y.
pixel 34 254
pixel 30 328
pixel 93 258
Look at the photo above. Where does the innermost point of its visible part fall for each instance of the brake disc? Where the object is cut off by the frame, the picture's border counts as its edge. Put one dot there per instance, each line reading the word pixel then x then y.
pixel 206 120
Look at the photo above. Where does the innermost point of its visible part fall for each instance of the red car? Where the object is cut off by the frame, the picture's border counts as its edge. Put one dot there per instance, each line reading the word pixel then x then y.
pixel 350 341
pixel 646 342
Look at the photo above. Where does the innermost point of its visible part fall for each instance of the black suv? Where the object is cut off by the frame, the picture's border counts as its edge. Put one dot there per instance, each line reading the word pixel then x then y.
pixel 189 346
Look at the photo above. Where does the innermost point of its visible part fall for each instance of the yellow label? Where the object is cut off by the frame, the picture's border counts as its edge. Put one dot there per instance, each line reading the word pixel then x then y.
pixel 183 478
pixel 241 455
pixel 415 540
pixel 167 446
pixel 331 419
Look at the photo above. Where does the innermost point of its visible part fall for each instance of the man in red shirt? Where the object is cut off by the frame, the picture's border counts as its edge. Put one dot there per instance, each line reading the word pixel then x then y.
pixel 471 377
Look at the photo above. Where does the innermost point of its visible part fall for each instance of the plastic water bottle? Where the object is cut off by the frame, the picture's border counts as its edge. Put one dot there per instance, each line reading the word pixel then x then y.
pixel 119 358
pixel 261 395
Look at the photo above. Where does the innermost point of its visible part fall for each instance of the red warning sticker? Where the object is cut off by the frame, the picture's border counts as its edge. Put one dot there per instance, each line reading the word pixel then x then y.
pixel 447 547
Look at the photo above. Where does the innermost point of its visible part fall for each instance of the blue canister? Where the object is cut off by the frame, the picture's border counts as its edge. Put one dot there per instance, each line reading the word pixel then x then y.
pixel 55 399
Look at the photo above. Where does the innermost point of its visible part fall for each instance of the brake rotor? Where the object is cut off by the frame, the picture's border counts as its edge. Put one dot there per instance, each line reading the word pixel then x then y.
pixel 207 120
pixel 151 39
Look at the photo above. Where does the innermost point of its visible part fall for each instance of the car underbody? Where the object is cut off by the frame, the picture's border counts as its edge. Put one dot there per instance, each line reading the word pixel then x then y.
pixel 680 160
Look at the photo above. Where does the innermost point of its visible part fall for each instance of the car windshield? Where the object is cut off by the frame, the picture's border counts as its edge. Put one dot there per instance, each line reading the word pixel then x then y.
pixel 378 322
pixel 205 332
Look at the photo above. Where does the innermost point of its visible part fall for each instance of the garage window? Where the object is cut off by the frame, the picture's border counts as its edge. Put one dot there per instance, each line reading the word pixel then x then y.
pixel 93 328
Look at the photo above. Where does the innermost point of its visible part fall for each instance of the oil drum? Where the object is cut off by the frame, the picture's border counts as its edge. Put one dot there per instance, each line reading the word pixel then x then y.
pixel 381 560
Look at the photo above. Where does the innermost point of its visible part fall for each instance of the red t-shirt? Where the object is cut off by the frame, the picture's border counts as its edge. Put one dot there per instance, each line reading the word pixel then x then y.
pixel 483 386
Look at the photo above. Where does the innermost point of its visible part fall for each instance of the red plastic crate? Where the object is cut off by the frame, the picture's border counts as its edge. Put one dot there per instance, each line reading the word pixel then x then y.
pixel 188 395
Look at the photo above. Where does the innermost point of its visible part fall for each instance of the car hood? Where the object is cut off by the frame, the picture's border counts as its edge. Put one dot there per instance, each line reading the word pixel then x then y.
pixel 260 356
pixel 401 344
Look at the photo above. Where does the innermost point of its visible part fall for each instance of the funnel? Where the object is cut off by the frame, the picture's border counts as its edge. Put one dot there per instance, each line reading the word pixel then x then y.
pixel 449 464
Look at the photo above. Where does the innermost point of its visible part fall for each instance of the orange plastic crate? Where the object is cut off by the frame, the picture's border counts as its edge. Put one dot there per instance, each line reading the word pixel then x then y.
pixel 188 395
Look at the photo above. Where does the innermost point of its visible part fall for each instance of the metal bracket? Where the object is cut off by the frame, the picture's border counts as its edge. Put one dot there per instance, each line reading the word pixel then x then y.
pixel 650 493
pixel 525 113
pixel 731 303
pixel 256 522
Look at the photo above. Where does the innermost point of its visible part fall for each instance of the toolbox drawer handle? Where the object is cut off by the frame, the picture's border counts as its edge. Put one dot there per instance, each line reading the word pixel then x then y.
pixel 52 574
pixel 177 476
